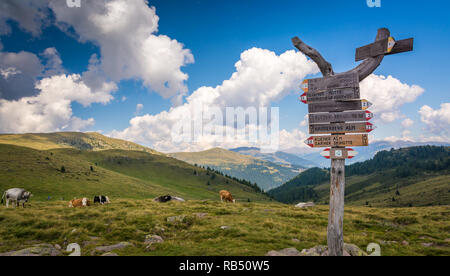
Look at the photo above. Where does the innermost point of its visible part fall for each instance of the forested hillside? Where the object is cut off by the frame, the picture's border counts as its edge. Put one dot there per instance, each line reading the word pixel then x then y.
pixel 417 176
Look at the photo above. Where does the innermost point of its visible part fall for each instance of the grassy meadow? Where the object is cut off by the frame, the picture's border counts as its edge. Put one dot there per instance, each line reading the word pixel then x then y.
pixel 253 228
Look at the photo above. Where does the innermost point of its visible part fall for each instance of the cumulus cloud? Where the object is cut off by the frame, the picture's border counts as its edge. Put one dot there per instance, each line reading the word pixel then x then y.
pixel 407 123
pixel 261 77
pixel 388 95
pixel 19 72
pixel 32 15
pixel 437 120
pixel 125 31
pixel 51 109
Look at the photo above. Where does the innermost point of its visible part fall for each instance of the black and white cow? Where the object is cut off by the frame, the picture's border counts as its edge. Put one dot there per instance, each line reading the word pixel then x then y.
pixel 167 198
pixel 17 195
pixel 102 199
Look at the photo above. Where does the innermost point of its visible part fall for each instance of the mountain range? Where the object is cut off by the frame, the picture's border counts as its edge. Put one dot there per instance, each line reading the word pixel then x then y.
pixel 67 165
pixel 266 174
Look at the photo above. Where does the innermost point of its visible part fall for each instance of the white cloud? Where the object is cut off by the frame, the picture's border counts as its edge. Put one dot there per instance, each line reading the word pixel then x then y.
pixel 437 120
pixel 139 108
pixel 261 78
pixel 19 74
pixel 388 95
pixel 30 14
pixel 407 123
pixel 51 109
pixel 125 31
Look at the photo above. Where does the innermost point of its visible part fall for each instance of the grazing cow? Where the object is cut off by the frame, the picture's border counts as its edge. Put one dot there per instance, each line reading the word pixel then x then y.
pixel 83 202
pixel 102 199
pixel 227 196
pixel 163 199
pixel 17 195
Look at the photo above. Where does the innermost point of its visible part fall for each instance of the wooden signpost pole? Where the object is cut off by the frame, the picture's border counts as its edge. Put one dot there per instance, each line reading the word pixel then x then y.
pixel 373 55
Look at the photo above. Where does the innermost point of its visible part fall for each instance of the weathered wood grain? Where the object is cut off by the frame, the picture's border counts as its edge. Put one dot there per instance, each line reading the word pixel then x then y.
pixel 357 140
pixel 334 106
pixel 335 231
pixel 342 81
pixel 363 127
pixel 331 95
pixel 352 116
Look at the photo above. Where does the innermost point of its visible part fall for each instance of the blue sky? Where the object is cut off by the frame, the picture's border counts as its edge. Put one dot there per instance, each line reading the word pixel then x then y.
pixel 218 32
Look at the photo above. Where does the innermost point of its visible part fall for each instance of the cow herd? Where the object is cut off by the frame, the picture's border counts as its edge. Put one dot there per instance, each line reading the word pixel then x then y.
pixel 20 196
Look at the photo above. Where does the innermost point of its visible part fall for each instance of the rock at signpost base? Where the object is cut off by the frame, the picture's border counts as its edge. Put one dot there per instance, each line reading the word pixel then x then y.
pixel 353 250
pixel 305 205
pixel 320 250
pixel 284 252
pixel 36 250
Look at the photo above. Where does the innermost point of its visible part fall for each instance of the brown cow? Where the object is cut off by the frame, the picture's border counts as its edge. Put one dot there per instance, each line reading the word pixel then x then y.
pixel 83 202
pixel 227 196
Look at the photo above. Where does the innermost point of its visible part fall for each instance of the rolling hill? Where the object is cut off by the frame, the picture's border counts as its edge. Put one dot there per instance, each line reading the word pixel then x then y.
pixel 265 174
pixel 75 140
pixel 417 176
pixel 65 171
pixel 278 157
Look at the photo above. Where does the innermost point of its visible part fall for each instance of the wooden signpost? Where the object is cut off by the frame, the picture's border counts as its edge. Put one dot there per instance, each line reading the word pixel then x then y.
pixel 342 154
pixel 353 116
pixel 335 108
pixel 358 140
pixel 331 95
pixel 349 80
pixel 341 128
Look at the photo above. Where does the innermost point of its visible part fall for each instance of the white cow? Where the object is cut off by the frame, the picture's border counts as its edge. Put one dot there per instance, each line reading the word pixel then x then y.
pixel 17 195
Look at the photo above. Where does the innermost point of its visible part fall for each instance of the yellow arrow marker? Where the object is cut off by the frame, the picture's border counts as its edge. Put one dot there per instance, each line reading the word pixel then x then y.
pixel 304 86
pixel 365 104
pixel 391 44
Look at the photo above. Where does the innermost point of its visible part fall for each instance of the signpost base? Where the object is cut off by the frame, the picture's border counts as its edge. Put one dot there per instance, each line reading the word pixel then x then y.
pixel 335 234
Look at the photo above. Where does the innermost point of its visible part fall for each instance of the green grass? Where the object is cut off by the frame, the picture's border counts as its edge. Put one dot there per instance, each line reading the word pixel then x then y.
pixel 116 173
pixel 254 228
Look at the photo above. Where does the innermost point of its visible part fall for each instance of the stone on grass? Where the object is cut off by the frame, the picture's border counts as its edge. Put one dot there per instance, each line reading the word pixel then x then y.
pixel 110 254
pixel 176 219
pixel 110 248
pixel 305 205
pixel 35 250
pixel 284 252
pixel 152 239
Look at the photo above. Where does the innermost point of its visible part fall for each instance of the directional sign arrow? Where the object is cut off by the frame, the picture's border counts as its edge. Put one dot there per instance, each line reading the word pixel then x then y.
pixel 348 80
pixel 345 94
pixel 358 140
pixel 384 47
pixel 352 116
pixel 362 127
pixel 344 153
pixel 338 106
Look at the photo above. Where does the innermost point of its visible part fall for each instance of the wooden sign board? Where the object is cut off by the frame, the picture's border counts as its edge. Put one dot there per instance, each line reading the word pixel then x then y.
pixel 340 81
pixel 334 106
pixel 358 140
pixel 401 46
pixel 384 47
pixel 341 128
pixel 331 95
pixel 339 154
pixel 353 116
